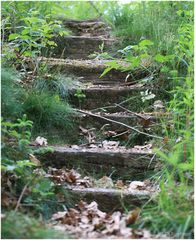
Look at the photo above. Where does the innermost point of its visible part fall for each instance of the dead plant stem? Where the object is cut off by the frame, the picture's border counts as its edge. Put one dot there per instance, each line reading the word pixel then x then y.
pixel 119 123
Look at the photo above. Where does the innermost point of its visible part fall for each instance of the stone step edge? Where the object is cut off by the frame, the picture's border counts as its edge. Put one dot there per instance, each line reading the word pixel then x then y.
pixel 91 64
pixel 111 199
pixel 92 38
pixel 134 160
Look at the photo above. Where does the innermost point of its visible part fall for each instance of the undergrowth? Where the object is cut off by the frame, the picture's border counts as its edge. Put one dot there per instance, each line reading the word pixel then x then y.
pixel 42 105
pixel 17 225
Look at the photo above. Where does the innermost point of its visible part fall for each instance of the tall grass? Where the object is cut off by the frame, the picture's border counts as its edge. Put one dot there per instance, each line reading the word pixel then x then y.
pixel 44 107
pixel 156 21
pixel 11 94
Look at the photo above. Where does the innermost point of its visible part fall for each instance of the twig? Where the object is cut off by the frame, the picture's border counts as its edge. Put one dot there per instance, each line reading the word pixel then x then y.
pixel 21 196
pixel 120 134
pixel 119 123
pixel 134 113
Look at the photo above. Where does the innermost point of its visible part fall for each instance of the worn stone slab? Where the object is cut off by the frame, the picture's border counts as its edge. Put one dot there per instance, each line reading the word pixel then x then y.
pixel 90 71
pixel 124 117
pixel 80 47
pixel 123 162
pixel 91 27
pixel 110 199
pixel 98 96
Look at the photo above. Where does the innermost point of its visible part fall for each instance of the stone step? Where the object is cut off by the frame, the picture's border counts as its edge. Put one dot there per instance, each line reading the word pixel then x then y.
pixel 80 47
pixel 110 199
pixel 91 27
pixel 114 126
pixel 117 161
pixel 90 71
pixel 143 120
pixel 100 96
pixel 85 126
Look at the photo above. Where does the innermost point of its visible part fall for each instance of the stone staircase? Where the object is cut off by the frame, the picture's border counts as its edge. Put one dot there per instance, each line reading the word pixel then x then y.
pixel 71 56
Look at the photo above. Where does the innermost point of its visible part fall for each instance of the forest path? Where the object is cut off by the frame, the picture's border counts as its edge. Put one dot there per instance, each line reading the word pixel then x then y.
pixel 102 150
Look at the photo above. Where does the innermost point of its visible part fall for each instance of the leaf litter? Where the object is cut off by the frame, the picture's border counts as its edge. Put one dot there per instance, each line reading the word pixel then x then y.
pixel 72 178
pixel 87 221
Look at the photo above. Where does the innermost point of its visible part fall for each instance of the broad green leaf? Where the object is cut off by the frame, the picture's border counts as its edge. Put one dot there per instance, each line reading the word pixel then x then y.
pixel 51 43
pixel 186 166
pixel 106 71
pixel 145 42
pixel 13 36
pixel 25 31
pixel 27 54
pixel 159 58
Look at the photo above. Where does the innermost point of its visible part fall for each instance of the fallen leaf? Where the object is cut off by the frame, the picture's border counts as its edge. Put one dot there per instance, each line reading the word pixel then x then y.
pixel 110 144
pixel 33 159
pixel 132 216
pixel 105 182
pixel 41 141
pixel 119 184
pixel 137 185
pixel 147 147
pixel 58 215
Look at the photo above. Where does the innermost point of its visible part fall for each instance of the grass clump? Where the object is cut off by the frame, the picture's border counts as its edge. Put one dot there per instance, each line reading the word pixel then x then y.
pixel 42 104
pixel 46 110
pixel 11 94
pixel 157 21
pixel 16 225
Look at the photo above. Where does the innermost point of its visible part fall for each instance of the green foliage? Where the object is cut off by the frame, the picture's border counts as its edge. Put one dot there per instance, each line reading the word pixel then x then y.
pixel 157 21
pixel 46 110
pixel 16 138
pixel 174 210
pixel 56 83
pixel 21 172
pixel 11 94
pixel 30 33
pixel 42 105
pixel 21 226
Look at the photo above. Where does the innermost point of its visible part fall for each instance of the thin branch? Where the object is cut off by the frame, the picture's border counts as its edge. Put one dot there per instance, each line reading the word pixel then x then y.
pixel 22 193
pixel 120 134
pixel 119 123
pixel 134 113
pixel 21 196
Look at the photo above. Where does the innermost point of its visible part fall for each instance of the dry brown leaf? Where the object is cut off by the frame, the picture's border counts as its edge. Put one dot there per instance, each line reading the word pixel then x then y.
pixel 147 147
pixel 89 222
pixel 105 182
pixel 33 159
pixel 58 215
pixel 41 141
pixel 137 185
pixel 110 144
pixel 85 219
pixel 119 184
pixel 132 216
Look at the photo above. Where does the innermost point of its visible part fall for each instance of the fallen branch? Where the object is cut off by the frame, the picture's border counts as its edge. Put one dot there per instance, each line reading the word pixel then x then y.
pixel 119 123
pixel 21 196
pixel 22 193
pixel 134 113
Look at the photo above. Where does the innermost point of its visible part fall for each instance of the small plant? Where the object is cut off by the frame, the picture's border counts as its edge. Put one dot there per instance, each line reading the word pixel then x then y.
pixel 101 54
pixel 16 138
